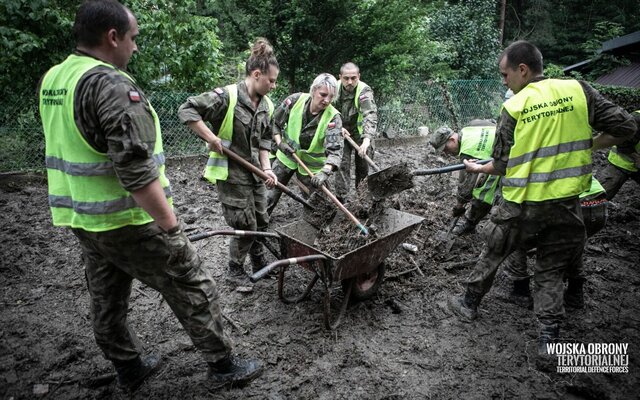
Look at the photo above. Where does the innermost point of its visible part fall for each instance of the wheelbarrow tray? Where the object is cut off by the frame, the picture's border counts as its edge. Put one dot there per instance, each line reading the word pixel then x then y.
pixel 393 227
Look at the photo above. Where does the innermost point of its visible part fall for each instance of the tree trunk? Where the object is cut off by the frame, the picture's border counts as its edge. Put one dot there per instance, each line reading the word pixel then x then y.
pixel 503 9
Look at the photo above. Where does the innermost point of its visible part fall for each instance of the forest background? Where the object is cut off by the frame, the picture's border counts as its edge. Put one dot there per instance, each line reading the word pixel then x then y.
pixel 191 46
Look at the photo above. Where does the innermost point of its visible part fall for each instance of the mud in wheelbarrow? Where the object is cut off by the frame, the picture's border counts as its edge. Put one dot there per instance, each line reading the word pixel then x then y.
pixel 360 271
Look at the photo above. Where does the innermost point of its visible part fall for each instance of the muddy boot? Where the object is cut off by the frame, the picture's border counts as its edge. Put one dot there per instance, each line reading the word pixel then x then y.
pixel 232 372
pixel 549 334
pixel 131 373
pixel 515 291
pixel 574 295
pixel 463 226
pixel 236 275
pixel 258 261
pixel 465 307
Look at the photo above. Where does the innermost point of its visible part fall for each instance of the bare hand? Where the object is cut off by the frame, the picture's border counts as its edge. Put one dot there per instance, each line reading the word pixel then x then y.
pixel 215 145
pixel 345 133
pixel 366 142
pixel 472 166
pixel 272 181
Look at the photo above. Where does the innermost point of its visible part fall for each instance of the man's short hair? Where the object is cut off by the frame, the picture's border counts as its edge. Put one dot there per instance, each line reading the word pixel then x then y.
pixel 523 52
pixel 349 65
pixel 95 17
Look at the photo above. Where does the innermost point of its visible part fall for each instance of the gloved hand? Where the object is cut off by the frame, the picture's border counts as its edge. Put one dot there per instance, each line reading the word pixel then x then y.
pixel 320 178
pixel 285 148
pixel 458 210
pixel 182 254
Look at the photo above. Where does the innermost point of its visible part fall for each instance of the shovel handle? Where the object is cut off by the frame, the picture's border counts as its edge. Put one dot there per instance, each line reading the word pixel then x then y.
pixel 448 168
pixel 203 235
pixel 366 157
pixel 247 165
pixel 333 197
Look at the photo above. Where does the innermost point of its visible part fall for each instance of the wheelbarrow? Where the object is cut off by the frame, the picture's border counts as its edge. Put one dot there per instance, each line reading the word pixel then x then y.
pixel 360 271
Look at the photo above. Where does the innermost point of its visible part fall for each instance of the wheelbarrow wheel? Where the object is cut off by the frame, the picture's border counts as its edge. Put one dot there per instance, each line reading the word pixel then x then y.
pixel 365 285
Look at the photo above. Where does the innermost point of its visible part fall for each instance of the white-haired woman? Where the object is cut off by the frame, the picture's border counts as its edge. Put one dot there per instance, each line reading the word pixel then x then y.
pixel 308 125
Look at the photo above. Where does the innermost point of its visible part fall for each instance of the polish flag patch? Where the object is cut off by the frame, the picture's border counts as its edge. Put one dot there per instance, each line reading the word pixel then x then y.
pixel 287 102
pixel 331 125
pixel 362 96
pixel 218 91
pixel 134 96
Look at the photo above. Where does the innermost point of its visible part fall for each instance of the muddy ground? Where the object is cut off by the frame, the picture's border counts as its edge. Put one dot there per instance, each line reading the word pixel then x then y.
pixel 401 344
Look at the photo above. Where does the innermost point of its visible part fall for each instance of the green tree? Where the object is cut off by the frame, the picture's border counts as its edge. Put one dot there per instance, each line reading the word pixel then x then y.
pixel 469 29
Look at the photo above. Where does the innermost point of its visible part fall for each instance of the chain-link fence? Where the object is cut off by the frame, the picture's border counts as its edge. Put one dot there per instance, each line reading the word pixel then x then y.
pixel 430 104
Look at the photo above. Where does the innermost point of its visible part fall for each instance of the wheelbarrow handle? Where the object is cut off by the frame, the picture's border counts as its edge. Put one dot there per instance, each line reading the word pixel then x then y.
pixel 289 261
pixel 448 168
pixel 199 236
pixel 366 157
pixel 333 198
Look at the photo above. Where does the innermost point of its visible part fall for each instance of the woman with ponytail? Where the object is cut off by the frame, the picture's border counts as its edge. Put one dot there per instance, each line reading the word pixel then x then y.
pixel 239 115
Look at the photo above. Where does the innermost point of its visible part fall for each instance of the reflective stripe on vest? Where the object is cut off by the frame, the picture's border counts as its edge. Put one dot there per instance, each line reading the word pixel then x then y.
pixel 217 168
pixel 551 153
pixel 477 141
pixel 84 191
pixel 314 157
pixel 487 191
pixel 622 160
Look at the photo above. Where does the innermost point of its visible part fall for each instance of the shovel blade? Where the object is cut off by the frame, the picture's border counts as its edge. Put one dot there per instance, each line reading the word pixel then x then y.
pixel 390 181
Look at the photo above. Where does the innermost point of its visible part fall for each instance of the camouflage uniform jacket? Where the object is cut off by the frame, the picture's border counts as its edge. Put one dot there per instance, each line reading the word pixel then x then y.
pixel 333 140
pixel 250 126
pixel 344 102
pixel 113 115
pixel 603 116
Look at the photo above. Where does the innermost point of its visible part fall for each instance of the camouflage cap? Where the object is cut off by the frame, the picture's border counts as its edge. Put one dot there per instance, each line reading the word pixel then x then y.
pixel 439 138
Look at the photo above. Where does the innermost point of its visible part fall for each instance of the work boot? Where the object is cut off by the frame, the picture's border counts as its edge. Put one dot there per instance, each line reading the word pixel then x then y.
pixel 515 291
pixel 465 307
pixel 236 274
pixel 464 225
pixel 549 334
pixel 574 295
pixel 233 372
pixel 258 261
pixel 131 373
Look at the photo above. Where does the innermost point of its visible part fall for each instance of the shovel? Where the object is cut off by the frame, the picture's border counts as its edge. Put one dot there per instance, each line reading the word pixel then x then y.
pixel 397 178
pixel 333 197
pixel 248 166
pixel 386 182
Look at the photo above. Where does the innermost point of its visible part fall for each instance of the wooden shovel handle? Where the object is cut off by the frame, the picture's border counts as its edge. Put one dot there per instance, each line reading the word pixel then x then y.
pixel 333 198
pixel 366 157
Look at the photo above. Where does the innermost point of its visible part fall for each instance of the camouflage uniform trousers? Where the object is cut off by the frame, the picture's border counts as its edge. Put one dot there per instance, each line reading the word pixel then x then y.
pixel 594 217
pixel 558 233
pixel 114 258
pixel 343 175
pixel 478 210
pixel 244 208
pixel 612 178
pixel 284 175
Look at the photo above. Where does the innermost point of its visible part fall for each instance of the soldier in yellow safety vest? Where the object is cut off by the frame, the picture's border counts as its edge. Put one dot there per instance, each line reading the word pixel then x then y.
pixel 309 126
pixel 543 150
pixel 240 114
pixel 474 141
pixel 106 177
pixel 624 163
pixel 359 114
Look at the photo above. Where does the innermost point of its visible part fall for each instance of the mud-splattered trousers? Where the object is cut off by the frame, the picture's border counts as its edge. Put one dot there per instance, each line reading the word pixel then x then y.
pixel 114 258
pixel 594 215
pixel 244 208
pixel 554 228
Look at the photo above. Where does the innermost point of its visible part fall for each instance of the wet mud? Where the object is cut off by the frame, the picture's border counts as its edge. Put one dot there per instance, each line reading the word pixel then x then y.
pixel 403 343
